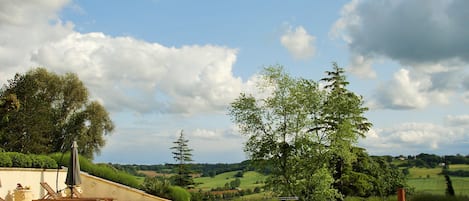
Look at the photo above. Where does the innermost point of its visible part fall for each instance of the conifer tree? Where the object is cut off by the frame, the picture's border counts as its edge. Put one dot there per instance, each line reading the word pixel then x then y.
pixel 182 154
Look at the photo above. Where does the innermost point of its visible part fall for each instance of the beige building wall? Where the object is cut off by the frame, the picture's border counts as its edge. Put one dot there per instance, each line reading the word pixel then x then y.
pixel 91 186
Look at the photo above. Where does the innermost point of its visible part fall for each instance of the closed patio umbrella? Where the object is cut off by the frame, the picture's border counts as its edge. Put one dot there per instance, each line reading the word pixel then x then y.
pixel 73 172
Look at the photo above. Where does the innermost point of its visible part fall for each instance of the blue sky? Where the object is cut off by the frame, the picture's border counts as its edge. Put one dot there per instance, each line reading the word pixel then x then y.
pixel 162 66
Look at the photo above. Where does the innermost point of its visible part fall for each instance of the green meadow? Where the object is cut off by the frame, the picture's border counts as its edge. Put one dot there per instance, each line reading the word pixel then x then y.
pixel 429 180
pixel 250 180
pixel 422 180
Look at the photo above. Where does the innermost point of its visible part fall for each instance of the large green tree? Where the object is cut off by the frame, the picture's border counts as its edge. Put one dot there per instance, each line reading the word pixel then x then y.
pixel 278 136
pixel 182 154
pixel 340 122
pixel 55 110
pixel 304 132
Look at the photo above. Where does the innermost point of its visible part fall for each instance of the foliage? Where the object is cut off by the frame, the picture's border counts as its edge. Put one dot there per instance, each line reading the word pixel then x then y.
pixel 178 193
pixel 8 103
pixel 162 188
pixel 20 159
pixel 457 173
pixel 182 154
pixel 449 186
pixel 205 169
pixel 54 111
pixel 5 160
pixel 299 129
pixel 41 161
pixel 13 159
pixel 339 123
pixel 239 174
pixel 100 170
pixel 157 186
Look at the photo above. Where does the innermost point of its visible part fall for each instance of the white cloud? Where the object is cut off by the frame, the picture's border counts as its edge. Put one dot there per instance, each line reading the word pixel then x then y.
pixel 461 120
pixel 299 43
pixel 410 89
pixel 403 92
pixel 123 72
pixel 413 138
pixel 25 26
pixel 362 67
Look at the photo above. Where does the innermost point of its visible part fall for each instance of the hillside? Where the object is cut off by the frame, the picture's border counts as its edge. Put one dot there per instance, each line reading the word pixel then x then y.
pixel 250 180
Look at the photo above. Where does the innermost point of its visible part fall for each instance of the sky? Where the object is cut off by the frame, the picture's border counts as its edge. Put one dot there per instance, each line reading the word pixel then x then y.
pixel 161 66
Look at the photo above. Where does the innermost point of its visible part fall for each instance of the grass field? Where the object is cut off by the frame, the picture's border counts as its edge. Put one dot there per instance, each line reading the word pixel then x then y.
pixel 250 180
pixel 423 180
pixel 429 180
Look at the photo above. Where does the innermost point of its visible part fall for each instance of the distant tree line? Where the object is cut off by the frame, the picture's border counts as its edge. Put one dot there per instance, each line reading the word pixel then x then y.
pixel 424 160
pixel 205 169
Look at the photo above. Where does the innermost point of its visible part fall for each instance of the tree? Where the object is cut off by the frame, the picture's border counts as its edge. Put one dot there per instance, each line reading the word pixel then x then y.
pixel 449 186
pixel 182 154
pixel 55 110
pixel 8 103
pixel 300 130
pixel 277 132
pixel 340 122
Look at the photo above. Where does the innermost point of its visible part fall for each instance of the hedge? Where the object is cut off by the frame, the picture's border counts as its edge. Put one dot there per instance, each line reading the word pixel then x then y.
pixel 14 159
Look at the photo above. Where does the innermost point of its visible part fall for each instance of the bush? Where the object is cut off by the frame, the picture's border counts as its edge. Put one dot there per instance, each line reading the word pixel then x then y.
pixel 39 161
pixel 13 159
pixel 5 160
pixel 104 171
pixel 20 160
pixel 179 194
pixel 157 186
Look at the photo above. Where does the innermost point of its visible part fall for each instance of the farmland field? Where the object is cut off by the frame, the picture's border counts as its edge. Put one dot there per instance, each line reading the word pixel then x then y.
pixel 429 180
pixel 250 180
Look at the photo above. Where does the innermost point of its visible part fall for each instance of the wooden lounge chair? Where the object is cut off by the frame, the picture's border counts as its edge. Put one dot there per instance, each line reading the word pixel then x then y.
pixel 76 193
pixel 51 194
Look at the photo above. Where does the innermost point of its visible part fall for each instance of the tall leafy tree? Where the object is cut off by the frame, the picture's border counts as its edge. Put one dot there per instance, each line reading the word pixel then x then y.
pixel 302 131
pixel 182 154
pixel 55 110
pixel 277 130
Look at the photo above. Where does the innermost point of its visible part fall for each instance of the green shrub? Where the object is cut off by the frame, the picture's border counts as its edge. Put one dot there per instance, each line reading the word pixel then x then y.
pixel 5 160
pixel 179 194
pixel 40 161
pixel 157 186
pixel 20 160
pixel 104 171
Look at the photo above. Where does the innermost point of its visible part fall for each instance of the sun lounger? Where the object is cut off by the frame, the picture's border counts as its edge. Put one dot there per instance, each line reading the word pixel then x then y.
pixel 51 194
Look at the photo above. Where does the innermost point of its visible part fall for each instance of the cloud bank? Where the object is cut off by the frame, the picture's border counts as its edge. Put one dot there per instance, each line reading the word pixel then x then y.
pixel 123 72
pixel 429 39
